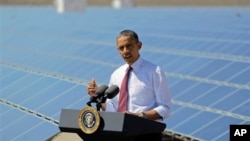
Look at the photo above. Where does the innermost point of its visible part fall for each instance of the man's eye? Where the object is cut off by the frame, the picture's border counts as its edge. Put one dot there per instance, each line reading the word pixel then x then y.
pixel 121 48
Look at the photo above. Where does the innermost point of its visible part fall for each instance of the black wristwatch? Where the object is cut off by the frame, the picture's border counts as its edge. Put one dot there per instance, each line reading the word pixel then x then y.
pixel 143 115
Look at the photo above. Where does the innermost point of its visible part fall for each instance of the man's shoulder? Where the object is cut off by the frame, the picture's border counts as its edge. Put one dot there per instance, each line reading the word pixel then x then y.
pixel 150 65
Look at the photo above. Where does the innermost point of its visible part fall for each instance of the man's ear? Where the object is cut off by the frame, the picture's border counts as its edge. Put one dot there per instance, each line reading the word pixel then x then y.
pixel 139 44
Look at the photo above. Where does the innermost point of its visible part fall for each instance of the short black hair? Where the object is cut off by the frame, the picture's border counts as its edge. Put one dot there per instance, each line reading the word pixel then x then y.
pixel 130 33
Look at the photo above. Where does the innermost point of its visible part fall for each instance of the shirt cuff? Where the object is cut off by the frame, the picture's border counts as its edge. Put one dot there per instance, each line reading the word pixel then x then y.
pixel 164 112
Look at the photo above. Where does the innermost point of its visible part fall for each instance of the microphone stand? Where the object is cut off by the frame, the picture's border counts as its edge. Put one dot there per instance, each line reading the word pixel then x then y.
pixel 98 106
pixel 94 100
pixel 98 102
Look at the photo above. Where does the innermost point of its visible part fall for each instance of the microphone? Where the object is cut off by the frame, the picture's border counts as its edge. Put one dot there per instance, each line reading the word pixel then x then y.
pixel 110 93
pixel 99 93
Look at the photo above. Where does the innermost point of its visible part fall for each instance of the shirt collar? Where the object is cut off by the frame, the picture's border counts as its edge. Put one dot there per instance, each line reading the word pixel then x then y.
pixel 137 63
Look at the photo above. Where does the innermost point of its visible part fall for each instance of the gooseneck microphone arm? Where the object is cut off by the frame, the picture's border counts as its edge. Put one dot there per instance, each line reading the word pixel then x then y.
pixel 92 99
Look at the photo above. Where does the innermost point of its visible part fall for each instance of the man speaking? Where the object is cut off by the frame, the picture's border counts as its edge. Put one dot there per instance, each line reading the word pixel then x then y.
pixel 143 85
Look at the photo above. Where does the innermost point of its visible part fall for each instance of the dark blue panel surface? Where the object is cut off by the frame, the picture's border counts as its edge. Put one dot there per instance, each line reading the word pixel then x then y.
pixel 47 59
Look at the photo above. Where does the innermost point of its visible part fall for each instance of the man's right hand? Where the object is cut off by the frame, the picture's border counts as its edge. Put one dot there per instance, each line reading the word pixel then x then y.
pixel 92 87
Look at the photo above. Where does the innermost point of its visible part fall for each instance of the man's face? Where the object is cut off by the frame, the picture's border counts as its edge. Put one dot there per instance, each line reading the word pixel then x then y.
pixel 128 49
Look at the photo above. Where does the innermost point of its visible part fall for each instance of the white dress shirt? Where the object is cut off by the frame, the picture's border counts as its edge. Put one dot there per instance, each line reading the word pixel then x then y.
pixel 147 87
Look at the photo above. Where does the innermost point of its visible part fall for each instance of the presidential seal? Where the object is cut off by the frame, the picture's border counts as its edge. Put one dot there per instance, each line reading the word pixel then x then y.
pixel 89 120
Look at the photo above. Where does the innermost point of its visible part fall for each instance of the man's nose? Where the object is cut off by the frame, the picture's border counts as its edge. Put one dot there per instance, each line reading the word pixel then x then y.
pixel 125 49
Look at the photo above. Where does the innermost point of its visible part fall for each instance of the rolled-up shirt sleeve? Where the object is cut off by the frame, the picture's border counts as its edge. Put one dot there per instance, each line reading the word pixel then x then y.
pixel 161 90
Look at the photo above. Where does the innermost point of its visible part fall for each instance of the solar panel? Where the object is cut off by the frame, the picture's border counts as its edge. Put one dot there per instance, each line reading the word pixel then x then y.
pixel 48 58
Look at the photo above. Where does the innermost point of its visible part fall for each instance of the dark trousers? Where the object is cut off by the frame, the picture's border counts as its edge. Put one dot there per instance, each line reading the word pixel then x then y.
pixel 150 137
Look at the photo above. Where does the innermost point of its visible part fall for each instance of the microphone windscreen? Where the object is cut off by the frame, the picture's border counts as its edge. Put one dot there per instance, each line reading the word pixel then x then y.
pixel 101 90
pixel 112 91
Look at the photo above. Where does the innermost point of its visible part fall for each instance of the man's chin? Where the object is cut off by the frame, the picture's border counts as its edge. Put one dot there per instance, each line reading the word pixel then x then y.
pixel 128 60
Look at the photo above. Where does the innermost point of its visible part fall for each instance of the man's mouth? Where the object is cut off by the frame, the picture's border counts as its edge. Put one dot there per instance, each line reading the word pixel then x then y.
pixel 127 56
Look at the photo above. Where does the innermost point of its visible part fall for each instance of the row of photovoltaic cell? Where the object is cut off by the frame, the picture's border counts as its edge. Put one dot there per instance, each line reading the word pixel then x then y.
pixel 64 59
pixel 211 46
pixel 213 69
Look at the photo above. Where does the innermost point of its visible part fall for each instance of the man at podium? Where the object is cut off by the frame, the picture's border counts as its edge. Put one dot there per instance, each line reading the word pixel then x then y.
pixel 143 85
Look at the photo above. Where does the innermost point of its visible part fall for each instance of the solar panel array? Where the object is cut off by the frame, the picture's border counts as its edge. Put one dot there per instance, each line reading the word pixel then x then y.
pixel 48 58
